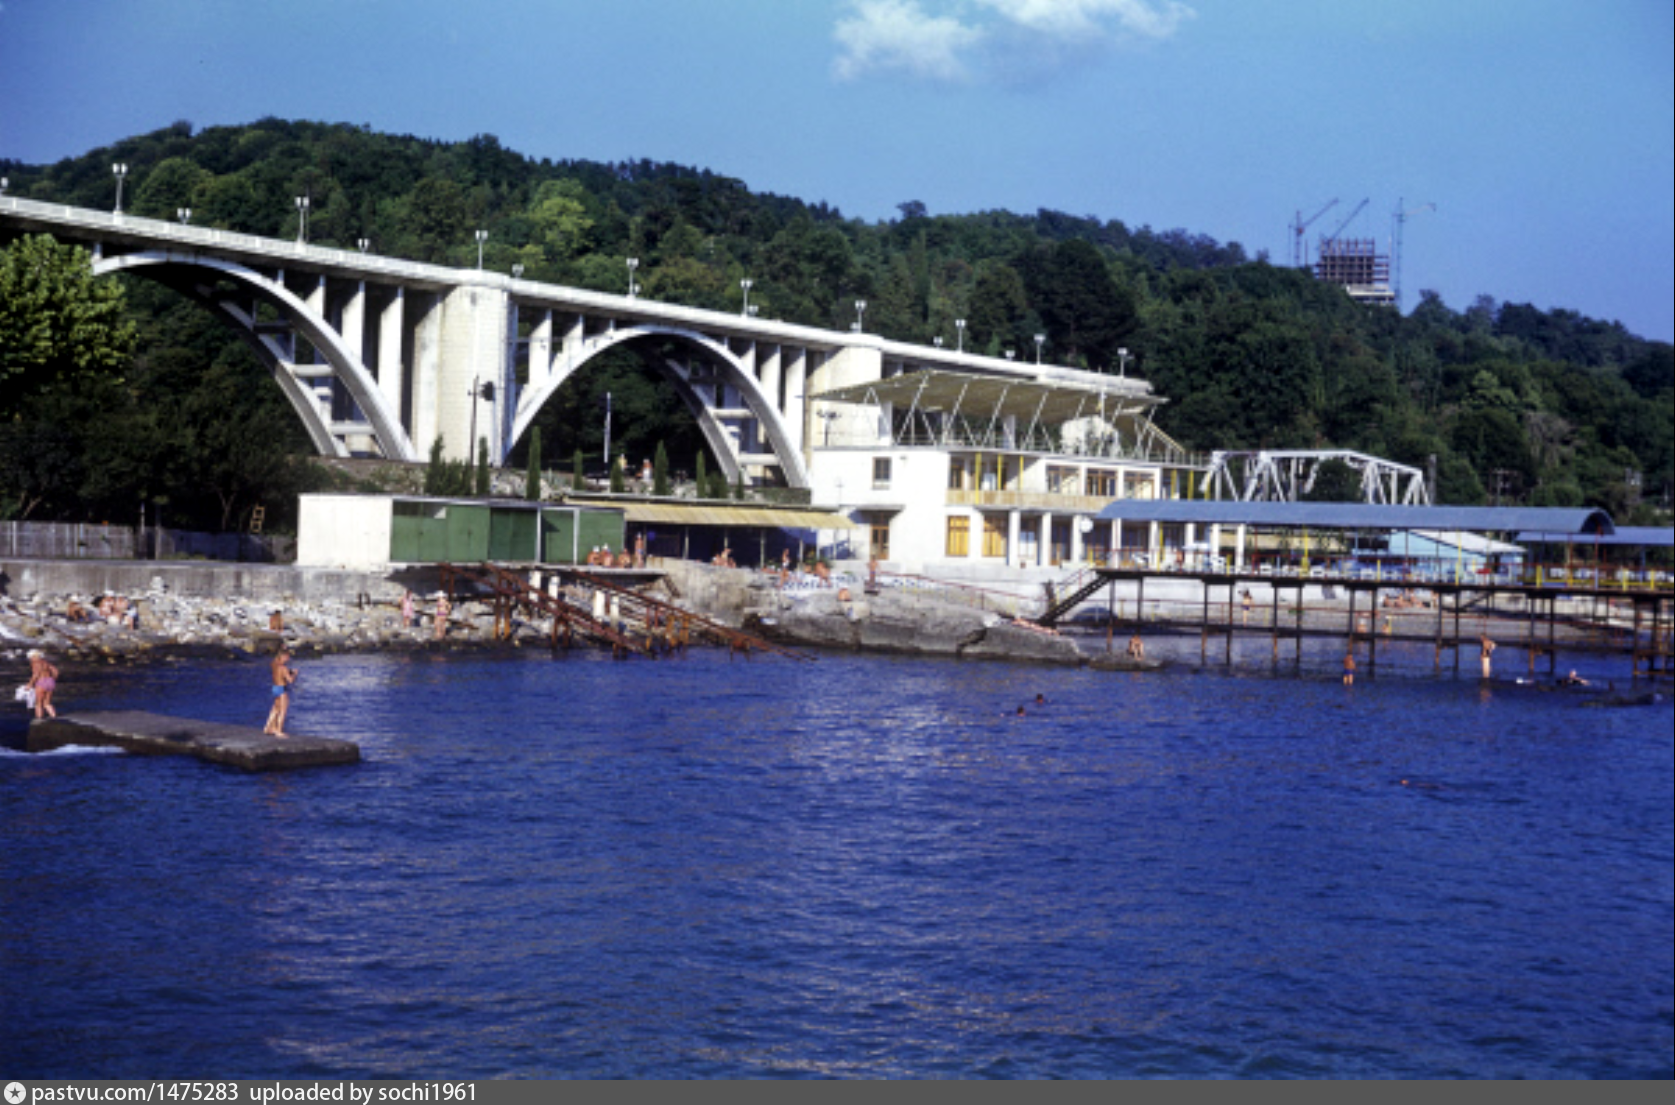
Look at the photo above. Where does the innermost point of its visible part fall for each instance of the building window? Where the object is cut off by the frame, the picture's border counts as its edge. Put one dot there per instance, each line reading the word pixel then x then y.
pixel 956 474
pixel 1101 485
pixel 994 537
pixel 1062 481
pixel 880 473
pixel 959 536
pixel 879 528
pixel 988 476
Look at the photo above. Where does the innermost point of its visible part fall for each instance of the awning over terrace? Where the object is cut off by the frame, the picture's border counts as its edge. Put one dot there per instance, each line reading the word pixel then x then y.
pixel 696 514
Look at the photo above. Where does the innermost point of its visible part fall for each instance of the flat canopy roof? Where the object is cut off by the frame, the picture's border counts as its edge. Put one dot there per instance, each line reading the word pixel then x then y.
pixel 1651 537
pixel 972 395
pixel 1365 516
pixel 695 514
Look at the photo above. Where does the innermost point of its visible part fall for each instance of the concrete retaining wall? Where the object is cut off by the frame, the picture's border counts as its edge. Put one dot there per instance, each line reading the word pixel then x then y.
pixel 22 579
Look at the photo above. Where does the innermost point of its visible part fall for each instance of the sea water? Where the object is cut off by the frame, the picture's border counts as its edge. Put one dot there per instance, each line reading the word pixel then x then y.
pixel 858 867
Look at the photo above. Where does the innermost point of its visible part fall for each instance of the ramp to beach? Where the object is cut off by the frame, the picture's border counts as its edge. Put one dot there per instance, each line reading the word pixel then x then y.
pixel 156 735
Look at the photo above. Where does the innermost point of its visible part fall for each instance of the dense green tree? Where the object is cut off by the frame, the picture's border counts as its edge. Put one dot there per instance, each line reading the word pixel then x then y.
pixel 58 325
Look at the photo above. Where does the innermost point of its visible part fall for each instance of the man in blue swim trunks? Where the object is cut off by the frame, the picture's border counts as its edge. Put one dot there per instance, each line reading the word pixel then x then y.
pixel 283 676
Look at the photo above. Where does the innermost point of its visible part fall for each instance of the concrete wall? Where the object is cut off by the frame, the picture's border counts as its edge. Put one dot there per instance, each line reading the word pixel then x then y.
pixel 23 578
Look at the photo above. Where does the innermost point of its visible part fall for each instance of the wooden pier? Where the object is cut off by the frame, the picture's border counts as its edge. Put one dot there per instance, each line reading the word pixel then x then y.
pixel 1457 616
pixel 156 735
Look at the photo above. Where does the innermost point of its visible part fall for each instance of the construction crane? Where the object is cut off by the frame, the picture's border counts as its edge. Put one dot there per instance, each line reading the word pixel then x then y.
pixel 1332 237
pixel 1400 220
pixel 1299 251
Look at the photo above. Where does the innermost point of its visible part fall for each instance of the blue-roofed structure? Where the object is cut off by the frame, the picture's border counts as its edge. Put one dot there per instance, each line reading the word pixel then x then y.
pixel 1633 537
pixel 1555 522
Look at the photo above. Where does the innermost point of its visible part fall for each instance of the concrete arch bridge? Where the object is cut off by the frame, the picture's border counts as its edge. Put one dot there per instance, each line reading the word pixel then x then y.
pixel 382 357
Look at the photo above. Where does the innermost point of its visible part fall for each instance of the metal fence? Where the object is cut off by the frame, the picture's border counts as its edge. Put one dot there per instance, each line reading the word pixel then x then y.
pixel 77 541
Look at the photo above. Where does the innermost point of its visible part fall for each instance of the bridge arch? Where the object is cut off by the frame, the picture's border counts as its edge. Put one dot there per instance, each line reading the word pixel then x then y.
pixel 178 271
pixel 763 407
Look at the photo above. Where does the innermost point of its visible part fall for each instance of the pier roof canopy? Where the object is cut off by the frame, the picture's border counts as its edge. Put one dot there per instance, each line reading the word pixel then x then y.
pixel 1528 522
pixel 1050 401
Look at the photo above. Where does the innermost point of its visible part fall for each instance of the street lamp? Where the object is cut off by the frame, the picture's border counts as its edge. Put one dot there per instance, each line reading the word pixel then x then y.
pixel 746 285
pixel 482 236
pixel 517 270
pixel 860 311
pixel 633 263
pixel 121 171
pixel 302 219
pixel 4 184
pixel 1010 353
pixel 1040 340
pixel 184 214
pixel 1122 362
pixel 364 243
pixel 959 324
pixel 753 309
pixel 937 341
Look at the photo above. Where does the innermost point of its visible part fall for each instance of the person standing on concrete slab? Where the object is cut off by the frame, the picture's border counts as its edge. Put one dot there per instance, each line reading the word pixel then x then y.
pixel 43 680
pixel 1488 650
pixel 443 609
pixel 283 676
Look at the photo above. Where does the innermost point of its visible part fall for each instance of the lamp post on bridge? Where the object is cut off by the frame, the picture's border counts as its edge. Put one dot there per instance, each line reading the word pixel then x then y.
pixel 302 220
pixel 633 288
pixel 120 170
pixel 959 325
pixel 860 313
pixel 482 236
pixel 364 243
pixel 1040 340
pixel 184 214
pixel 1122 362
pixel 746 285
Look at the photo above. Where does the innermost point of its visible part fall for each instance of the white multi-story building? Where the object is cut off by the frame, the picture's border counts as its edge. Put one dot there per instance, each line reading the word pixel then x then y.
pixel 961 472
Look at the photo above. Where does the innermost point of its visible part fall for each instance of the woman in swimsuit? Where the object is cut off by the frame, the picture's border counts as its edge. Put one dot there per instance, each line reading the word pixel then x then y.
pixel 43 679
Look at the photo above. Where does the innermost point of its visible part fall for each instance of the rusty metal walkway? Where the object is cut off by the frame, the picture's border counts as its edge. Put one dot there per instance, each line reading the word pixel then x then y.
pixel 594 611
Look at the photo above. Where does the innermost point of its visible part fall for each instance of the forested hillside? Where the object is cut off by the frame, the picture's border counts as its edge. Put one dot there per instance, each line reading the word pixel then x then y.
pixel 1545 407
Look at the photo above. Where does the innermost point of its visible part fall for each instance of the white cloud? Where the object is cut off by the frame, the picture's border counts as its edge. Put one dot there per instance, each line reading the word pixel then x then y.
pixel 960 39
pixel 1084 19
pixel 883 35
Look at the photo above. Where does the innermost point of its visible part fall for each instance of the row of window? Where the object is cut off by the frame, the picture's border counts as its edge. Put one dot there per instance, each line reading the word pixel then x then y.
pixel 994 473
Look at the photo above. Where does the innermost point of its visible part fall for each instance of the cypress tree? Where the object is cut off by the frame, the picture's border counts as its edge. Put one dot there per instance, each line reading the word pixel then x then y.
pixel 617 484
pixel 434 470
pixel 482 488
pixel 532 474
pixel 578 477
pixel 660 472
pixel 702 478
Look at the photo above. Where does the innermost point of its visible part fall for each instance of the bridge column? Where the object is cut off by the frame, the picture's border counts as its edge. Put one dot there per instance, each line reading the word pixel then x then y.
pixel 796 403
pixel 1014 551
pixel 353 327
pixel 472 352
pixel 541 350
pixel 1075 539
pixel 391 328
pixel 427 359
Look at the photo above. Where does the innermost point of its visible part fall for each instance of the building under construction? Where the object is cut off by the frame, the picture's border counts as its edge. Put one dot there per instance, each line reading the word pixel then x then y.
pixel 1355 265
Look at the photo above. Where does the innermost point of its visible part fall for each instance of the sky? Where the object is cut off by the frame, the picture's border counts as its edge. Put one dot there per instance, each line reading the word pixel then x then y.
pixel 1530 140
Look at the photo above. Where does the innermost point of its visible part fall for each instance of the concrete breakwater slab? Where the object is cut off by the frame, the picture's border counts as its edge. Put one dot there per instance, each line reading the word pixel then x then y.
pixel 156 735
